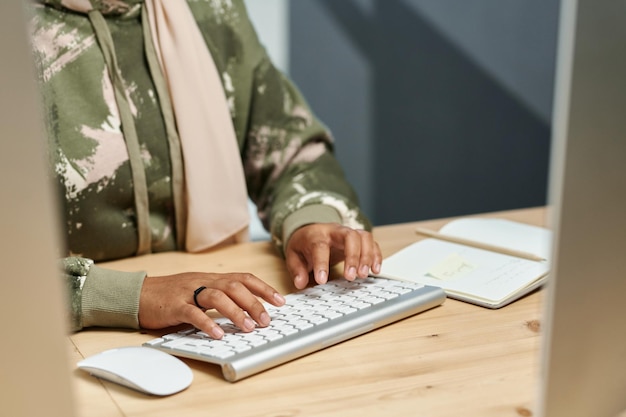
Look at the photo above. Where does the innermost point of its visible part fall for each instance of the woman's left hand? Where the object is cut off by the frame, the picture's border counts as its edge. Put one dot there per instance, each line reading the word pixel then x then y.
pixel 316 247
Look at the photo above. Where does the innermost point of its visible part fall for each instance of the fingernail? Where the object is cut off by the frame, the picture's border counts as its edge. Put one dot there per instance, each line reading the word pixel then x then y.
pixel 322 276
pixel 351 272
pixel 300 281
pixel 248 324
pixel 264 319
pixel 364 270
pixel 279 298
pixel 217 332
pixel 376 268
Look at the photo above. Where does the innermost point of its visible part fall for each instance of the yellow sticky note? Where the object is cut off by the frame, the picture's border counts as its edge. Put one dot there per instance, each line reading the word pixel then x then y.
pixel 454 266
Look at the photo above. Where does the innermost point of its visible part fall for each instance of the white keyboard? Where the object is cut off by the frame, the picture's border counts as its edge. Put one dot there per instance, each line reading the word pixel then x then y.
pixel 311 319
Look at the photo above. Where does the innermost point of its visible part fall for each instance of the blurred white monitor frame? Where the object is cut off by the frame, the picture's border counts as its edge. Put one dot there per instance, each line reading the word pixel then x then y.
pixel 35 372
pixel 584 345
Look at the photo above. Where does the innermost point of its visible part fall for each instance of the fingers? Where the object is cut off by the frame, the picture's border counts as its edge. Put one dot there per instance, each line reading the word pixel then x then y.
pixel 298 267
pixel 308 251
pixel 316 247
pixel 198 319
pixel 362 255
pixel 352 253
pixel 234 297
pixel 169 300
pixel 320 259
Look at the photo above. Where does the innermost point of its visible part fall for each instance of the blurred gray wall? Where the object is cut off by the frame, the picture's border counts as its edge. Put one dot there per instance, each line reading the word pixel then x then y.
pixel 271 21
pixel 438 107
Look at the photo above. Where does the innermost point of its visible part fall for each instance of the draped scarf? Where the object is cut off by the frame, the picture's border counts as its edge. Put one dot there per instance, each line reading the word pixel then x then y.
pixel 216 190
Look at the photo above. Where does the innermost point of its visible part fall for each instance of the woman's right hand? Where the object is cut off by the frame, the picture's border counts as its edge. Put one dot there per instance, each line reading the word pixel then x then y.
pixel 169 300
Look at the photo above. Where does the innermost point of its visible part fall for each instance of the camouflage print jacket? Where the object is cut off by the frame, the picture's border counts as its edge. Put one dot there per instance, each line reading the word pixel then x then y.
pixel 290 170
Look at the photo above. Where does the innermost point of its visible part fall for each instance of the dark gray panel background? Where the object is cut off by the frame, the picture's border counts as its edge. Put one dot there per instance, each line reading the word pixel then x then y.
pixel 438 107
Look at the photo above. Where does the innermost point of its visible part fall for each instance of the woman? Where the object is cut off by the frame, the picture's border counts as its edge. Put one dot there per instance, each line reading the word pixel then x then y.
pixel 163 116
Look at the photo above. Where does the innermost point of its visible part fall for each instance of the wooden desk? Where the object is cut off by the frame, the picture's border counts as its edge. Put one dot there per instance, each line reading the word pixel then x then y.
pixel 455 360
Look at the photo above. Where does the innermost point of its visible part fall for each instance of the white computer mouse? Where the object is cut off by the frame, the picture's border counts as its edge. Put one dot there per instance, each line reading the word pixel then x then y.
pixel 144 369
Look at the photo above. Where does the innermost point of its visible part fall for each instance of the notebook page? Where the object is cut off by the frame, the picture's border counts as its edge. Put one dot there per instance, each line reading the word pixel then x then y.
pixel 463 270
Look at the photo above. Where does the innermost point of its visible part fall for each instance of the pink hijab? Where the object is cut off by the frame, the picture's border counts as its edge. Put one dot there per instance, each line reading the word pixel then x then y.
pixel 216 192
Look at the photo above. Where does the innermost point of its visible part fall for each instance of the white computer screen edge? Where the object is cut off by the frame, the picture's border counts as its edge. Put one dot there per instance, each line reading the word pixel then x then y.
pixel 583 362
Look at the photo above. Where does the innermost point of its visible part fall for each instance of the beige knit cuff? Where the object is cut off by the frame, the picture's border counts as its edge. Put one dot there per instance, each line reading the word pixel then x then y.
pixel 315 213
pixel 111 298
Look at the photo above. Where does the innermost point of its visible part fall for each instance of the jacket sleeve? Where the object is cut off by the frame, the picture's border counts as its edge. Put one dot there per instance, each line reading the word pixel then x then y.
pixel 99 296
pixel 293 175
pixel 291 172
